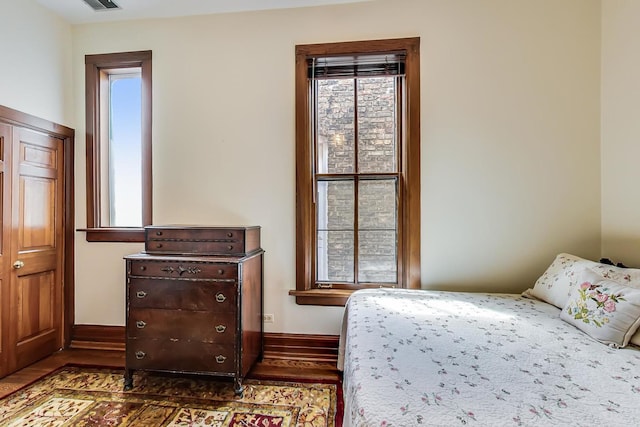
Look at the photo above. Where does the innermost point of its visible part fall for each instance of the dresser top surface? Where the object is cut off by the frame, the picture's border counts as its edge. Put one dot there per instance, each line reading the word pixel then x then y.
pixel 202 227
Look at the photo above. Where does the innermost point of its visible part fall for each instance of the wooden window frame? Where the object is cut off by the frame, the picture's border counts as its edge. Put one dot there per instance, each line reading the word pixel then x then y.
pixel 409 163
pixel 94 65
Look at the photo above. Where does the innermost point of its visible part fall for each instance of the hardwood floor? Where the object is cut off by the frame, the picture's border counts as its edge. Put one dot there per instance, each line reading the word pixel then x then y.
pixel 269 368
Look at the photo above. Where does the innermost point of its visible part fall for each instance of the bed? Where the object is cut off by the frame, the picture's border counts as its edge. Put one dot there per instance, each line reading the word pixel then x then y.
pixel 417 357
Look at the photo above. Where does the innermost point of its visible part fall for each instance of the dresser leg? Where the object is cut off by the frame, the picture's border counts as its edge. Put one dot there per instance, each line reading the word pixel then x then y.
pixel 128 379
pixel 238 388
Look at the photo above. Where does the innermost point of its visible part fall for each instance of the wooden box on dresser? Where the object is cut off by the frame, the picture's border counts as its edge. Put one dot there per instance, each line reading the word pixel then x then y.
pixel 194 302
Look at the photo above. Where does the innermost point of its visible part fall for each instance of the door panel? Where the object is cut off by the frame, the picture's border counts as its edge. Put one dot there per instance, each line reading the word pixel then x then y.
pixel 36 249
pixel 37 214
pixel 34 292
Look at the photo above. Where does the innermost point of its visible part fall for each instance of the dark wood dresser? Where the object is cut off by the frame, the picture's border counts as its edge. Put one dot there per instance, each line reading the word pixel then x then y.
pixel 194 302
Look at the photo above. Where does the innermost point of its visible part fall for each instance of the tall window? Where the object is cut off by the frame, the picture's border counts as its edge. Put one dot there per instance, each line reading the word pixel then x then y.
pixel 118 102
pixel 358 168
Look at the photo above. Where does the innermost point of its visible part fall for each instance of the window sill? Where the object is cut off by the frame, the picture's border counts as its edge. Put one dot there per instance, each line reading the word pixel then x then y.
pixel 126 235
pixel 330 297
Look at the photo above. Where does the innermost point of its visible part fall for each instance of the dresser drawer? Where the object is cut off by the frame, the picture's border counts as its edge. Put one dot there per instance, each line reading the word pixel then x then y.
pixel 182 295
pixel 175 356
pixel 183 270
pixel 201 240
pixel 218 327
pixel 194 248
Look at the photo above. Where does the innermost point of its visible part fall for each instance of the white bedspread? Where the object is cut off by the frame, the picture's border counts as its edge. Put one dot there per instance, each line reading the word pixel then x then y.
pixel 415 358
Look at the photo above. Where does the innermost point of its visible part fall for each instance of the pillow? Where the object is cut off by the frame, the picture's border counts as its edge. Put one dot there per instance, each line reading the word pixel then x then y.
pixel 630 276
pixel 605 310
pixel 557 282
pixel 623 275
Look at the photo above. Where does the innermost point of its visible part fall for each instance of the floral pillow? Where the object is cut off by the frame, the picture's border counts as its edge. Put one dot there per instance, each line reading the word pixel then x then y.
pixel 605 310
pixel 557 282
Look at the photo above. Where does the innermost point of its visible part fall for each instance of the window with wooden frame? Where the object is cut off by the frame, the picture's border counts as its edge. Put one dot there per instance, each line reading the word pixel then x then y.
pixel 118 131
pixel 357 168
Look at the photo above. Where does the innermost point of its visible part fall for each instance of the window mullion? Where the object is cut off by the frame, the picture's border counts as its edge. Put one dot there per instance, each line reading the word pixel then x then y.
pixel 356 239
pixel 356 182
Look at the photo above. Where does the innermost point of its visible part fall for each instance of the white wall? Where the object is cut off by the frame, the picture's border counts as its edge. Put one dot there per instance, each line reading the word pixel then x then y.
pixel 621 130
pixel 510 137
pixel 35 70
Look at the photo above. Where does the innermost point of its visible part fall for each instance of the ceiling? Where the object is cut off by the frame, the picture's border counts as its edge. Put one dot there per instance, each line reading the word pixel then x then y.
pixel 78 12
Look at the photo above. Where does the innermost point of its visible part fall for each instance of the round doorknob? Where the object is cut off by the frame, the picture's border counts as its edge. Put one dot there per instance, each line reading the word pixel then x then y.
pixel 18 264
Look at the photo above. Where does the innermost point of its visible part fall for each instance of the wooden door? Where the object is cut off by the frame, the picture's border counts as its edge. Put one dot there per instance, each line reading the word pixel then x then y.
pixel 5 246
pixel 36 264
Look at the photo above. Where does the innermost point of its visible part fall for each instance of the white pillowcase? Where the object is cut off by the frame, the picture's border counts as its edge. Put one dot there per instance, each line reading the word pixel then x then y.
pixel 556 283
pixel 604 309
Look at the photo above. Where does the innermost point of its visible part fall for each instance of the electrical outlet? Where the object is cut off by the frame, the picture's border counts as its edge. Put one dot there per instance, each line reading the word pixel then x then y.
pixel 267 318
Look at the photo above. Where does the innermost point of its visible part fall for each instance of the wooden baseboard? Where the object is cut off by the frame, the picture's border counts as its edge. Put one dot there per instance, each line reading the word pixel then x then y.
pixel 320 348
pixel 97 337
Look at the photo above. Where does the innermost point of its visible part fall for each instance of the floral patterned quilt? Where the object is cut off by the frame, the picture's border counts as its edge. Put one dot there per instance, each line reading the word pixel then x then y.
pixel 413 357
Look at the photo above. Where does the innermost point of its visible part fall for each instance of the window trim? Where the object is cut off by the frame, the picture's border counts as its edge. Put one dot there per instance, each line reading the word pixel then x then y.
pixel 409 211
pixel 94 64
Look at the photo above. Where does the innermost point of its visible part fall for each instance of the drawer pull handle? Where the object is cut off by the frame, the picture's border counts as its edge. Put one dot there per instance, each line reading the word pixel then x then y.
pixel 230 247
pixel 221 272
pixel 143 267
pixel 229 234
pixel 220 329
pixel 159 245
pixel 140 355
pixel 158 233
pixel 140 324
pixel 220 297
pixel 181 270
pixel 141 294
pixel 220 358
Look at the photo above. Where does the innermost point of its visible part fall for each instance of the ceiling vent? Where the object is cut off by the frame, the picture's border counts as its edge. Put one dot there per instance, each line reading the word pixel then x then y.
pixel 101 4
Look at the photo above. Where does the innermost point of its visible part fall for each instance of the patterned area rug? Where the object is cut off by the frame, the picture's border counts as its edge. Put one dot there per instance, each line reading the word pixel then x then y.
pixel 74 396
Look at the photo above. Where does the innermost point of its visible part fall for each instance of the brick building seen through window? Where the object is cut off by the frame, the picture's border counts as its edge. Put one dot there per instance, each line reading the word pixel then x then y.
pixel 356 207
